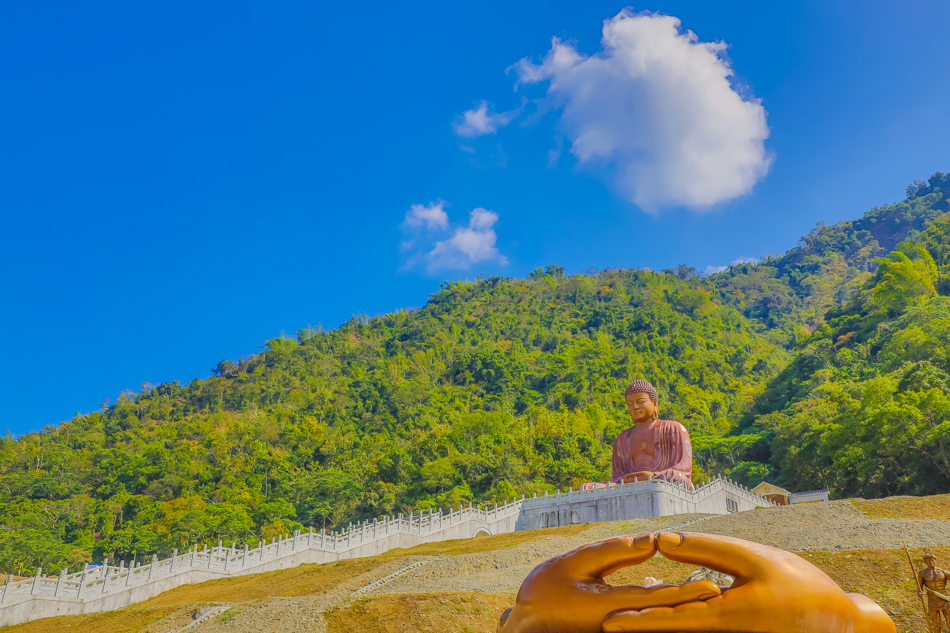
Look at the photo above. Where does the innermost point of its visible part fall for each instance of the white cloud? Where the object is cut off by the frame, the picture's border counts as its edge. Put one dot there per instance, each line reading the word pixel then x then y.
pixel 431 216
pixel 468 245
pixel 462 247
pixel 657 108
pixel 712 270
pixel 744 260
pixel 481 121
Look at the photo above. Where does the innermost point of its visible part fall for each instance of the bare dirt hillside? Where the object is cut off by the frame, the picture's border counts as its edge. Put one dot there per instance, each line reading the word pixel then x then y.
pixel 463 586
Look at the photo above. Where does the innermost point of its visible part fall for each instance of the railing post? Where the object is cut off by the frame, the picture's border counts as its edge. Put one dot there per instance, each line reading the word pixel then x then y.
pixel 105 577
pixel 59 582
pixel 171 567
pixel 6 588
pixel 36 581
pixel 82 583
pixel 194 555
pixel 151 567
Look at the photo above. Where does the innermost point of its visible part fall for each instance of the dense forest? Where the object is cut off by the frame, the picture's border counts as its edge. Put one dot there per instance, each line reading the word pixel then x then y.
pixel 826 366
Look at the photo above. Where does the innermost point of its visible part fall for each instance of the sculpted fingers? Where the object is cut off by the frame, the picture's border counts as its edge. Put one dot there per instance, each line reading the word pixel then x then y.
pixel 689 617
pixel 872 614
pixel 503 620
pixel 607 556
pixel 735 557
pixel 632 597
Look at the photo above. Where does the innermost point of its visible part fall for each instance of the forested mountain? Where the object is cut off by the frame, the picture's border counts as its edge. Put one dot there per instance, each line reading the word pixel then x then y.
pixel 864 408
pixel 830 263
pixel 500 387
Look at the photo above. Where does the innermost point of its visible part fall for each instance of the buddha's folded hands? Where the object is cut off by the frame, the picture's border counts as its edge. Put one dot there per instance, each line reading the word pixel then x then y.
pixel 774 592
pixel 568 592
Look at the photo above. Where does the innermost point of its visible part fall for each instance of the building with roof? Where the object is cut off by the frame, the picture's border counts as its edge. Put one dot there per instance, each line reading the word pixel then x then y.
pixel 773 493
pixel 811 496
pixel 783 497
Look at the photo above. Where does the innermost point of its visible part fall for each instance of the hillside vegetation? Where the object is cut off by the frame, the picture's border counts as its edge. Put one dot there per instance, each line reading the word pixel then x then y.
pixel 825 366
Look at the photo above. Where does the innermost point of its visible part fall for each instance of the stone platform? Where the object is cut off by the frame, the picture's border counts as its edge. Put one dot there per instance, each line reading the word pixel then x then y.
pixel 638 500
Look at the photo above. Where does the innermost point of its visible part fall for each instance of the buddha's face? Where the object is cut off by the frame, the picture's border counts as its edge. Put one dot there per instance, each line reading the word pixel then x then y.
pixel 641 408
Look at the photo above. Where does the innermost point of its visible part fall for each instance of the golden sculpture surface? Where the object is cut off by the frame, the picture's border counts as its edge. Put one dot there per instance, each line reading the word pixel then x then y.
pixel 651 447
pixel 933 582
pixel 774 592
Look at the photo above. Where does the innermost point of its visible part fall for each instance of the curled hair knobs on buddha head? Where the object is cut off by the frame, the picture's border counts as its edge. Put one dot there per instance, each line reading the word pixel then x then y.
pixel 642 386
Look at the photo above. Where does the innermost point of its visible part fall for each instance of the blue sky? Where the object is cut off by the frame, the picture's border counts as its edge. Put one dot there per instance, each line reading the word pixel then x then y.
pixel 180 182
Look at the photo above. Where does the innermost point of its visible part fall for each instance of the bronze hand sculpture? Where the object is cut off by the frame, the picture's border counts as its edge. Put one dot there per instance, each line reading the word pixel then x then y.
pixel 774 592
pixel 568 593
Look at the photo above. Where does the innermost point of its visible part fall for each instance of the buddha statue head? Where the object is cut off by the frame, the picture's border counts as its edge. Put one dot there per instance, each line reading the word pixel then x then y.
pixel 643 402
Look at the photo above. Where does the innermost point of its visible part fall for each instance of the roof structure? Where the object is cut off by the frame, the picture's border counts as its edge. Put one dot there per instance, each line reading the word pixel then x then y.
pixel 769 489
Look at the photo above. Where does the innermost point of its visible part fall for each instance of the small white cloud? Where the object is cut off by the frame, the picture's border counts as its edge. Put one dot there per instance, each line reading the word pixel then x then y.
pixel 482 219
pixel 431 216
pixel 712 270
pixel 462 247
pixel 744 260
pixel 481 121
pixel 656 107
pixel 468 245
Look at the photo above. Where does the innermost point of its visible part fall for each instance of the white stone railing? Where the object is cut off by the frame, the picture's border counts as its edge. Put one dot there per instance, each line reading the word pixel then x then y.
pixel 679 489
pixel 712 487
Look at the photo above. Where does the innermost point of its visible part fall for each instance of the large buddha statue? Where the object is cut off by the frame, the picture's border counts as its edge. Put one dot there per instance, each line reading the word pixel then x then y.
pixel 651 447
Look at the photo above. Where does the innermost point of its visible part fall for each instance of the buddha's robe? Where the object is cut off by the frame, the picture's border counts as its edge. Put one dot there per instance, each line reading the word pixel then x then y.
pixel 672 453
